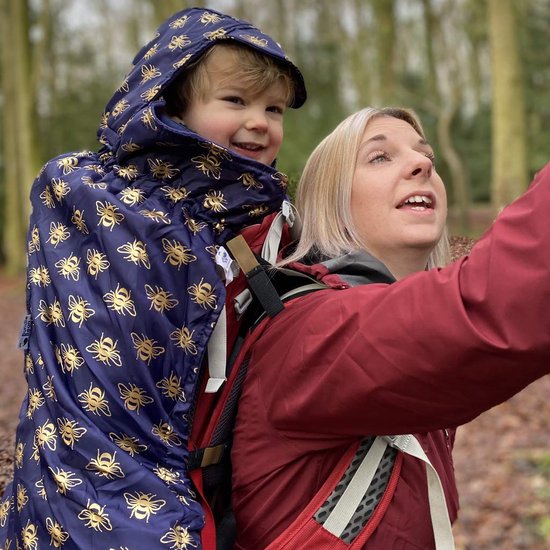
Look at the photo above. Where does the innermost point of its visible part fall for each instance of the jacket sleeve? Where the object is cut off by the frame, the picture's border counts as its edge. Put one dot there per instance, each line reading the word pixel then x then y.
pixel 430 351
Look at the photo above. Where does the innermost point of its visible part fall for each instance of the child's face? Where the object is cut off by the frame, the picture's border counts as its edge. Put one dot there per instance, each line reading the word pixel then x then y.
pixel 230 115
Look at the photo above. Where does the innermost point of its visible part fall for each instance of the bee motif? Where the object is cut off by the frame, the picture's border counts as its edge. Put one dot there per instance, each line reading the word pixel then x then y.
pixel 151 52
pixel 128 444
pixel 34 243
pixel 176 253
pixel 148 119
pixel 93 400
pixel 214 200
pixel 58 536
pixel 4 511
pixel 203 294
pixel 146 347
pixel 131 147
pixel 148 72
pixel 171 388
pixel 69 267
pixel 97 262
pixel 47 197
pixel 257 211
pixel 39 276
pixel 70 431
pixel 142 505
pixel 124 87
pixel 104 120
pixel 281 179
pixel 64 480
pixel 178 537
pixel 182 61
pixel 249 181
pixel 218 34
pixel 35 401
pixel 105 465
pixel 68 164
pixel 209 17
pixel 71 359
pixel 156 215
pixel 51 314
pixel 60 188
pixel 151 93
pixel 161 170
pixel 41 491
pixel 78 220
pixel 97 168
pixel 179 23
pixel 262 42
pixel 29 536
pixel 167 475
pixel 134 397
pixel 58 233
pixel 108 213
pixel 22 497
pixel 45 436
pixel 105 351
pixel 128 195
pixel 88 181
pixel 120 300
pixel 95 517
pixel 166 434
pixel 119 108
pixel 49 389
pixel 175 194
pixel 161 300
pixel 79 309
pixel 219 226
pixel 209 165
pixel 29 365
pixel 136 253
pixel 179 42
pixel 183 338
pixel 19 454
pixel 193 225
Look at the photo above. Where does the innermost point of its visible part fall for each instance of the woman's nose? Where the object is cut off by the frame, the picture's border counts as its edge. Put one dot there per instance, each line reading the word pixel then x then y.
pixel 422 166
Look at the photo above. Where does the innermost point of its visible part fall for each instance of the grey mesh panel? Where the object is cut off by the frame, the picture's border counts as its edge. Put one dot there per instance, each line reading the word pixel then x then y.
pixel 372 496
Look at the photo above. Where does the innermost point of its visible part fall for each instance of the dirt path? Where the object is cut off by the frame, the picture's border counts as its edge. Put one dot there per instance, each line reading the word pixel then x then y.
pixel 502 458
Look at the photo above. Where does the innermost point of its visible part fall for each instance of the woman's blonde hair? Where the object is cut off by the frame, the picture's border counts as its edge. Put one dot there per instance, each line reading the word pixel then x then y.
pixel 323 195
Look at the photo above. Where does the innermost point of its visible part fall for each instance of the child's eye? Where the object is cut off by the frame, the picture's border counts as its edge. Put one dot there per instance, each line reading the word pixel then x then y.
pixel 234 99
pixel 275 109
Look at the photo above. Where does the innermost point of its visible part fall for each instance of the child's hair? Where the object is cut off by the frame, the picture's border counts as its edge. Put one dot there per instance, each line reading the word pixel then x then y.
pixel 254 69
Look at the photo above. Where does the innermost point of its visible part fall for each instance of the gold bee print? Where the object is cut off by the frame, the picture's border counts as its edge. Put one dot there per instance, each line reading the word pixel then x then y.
pixel 179 42
pixel 167 475
pixel 161 300
pixel 58 536
pixel 89 182
pixel 156 215
pixel 69 267
pixel 64 480
pixel 176 253
pixel 127 443
pixel 67 164
pixel 208 18
pixel 79 309
pixel 78 221
pixel 96 262
pixel 120 300
pixel 171 387
pixel 183 338
pixel 41 490
pixel 97 168
pixel 193 225
pixel 151 93
pixel 45 436
pixel 249 181
pixel 29 364
pixel 94 401
pixel 51 314
pixel 166 434
pixel 147 348
pixel 134 397
pixel 132 196
pixel 70 358
pixel 19 454
pixel 209 165
pixel 105 465
pixel 182 61
pixel 130 147
pixel 4 511
pixel 34 243
pixel 136 252
pixel 214 200
pixel 148 72
pixel 151 51
pixel 119 108
pixel 39 276
pixel 203 294
pixel 35 401
pixel 262 42
pixel 175 194
pixel 22 497
pixel 127 195
pixel 29 536
pixel 179 23
pixel 256 211
pixel 218 34
pixel 105 351
pixel 124 87
pixel 179 538
pixel 95 517
pixel 219 226
pixel 49 389
pixel 60 189
pixel 142 505
pixel 47 197
pixel 108 213
pixel 58 233
pixel 70 431
pixel 281 179
pixel 148 119
pixel 162 170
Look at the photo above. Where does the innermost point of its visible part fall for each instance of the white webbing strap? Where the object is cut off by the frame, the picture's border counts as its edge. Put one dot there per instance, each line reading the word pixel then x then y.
pixel 351 498
pixel 441 524
pixel 270 248
pixel 217 354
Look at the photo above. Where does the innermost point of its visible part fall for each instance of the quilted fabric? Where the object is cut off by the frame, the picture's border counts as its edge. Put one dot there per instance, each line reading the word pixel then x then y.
pixel 123 295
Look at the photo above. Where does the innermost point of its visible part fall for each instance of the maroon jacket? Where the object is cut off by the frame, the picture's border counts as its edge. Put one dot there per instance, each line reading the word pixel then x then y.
pixel 423 354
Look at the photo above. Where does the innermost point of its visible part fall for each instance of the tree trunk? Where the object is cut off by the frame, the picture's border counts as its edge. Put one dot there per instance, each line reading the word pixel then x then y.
pixel 384 23
pixel 509 148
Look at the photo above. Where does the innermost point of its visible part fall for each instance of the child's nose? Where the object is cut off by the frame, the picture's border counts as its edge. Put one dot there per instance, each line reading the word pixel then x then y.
pixel 256 120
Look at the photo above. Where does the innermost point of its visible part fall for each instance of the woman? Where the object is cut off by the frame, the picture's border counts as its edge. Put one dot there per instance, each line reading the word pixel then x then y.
pixel 389 347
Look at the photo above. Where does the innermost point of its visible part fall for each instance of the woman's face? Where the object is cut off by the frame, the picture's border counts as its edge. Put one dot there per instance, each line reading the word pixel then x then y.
pixel 398 201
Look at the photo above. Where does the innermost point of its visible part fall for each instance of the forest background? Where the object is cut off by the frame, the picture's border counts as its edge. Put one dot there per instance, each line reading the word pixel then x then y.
pixel 476 71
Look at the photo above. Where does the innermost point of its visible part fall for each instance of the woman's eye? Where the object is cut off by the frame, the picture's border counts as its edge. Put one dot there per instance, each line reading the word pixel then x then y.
pixel 378 157
pixel 431 156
